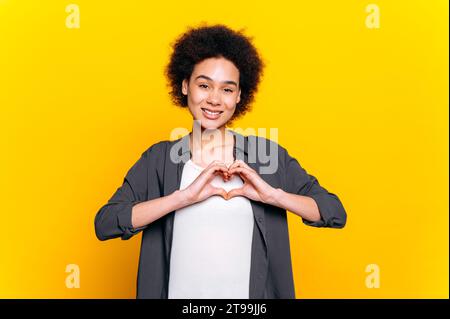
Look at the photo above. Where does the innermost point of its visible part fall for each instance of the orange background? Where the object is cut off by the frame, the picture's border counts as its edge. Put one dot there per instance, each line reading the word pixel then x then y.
pixel 364 110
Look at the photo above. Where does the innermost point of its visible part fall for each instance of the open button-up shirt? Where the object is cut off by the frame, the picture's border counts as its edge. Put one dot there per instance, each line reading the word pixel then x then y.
pixel 157 174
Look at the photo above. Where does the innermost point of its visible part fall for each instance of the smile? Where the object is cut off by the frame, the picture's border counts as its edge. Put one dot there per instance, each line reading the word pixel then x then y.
pixel 211 114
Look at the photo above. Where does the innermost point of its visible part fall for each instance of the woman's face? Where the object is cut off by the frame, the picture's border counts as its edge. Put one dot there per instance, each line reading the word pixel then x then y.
pixel 213 92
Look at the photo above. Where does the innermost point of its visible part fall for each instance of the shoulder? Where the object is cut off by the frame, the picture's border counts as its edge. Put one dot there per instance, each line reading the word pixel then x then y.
pixel 157 149
pixel 271 146
pixel 160 152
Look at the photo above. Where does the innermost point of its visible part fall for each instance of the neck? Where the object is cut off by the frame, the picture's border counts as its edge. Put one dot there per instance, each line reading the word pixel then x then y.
pixel 209 141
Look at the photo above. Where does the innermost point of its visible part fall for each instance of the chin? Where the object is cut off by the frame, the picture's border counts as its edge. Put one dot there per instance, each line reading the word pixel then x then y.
pixel 210 126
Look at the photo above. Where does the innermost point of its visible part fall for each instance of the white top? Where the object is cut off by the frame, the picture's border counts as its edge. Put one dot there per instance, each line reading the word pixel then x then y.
pixel 211 245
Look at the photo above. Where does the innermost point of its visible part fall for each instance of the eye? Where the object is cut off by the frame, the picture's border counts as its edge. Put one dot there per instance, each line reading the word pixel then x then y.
pixel 229 90
pixel 203 86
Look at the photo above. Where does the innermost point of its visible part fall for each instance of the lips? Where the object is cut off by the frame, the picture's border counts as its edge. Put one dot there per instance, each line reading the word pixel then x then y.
pixel 210 114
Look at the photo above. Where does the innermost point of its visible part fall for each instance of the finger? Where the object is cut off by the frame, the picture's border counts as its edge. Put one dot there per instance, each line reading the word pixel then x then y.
pixel 219 191
pixel 234 172
pixel 218 166
pixel 215 162
pixel 245 179
pixel 233 165
pixel 240 163
pixel 236 163
pixel 235 192
pixel 216 169
pixel 221 174
pixel 242 171
pixel 248 176
pixel 206 176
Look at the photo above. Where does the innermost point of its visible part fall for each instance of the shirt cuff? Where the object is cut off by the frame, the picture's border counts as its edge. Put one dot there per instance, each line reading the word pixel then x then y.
pixel 125 224
pixel 327 210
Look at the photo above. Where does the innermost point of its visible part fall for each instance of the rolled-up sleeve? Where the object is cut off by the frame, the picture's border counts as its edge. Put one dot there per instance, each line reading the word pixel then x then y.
pixel 114 218
pixel 298 181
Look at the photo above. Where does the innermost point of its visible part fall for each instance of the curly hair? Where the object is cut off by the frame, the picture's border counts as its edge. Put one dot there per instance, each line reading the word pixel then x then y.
pixel 198 44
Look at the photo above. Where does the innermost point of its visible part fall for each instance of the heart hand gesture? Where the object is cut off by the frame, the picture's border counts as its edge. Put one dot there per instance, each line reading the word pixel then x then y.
pixel 254 188
pixel 201 188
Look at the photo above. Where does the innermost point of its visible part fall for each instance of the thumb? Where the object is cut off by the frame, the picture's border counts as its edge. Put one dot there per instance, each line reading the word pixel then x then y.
pixel 235 192
pixel 219 191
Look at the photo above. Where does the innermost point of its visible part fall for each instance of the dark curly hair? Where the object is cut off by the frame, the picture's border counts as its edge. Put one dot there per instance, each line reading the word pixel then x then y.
pixel 200 43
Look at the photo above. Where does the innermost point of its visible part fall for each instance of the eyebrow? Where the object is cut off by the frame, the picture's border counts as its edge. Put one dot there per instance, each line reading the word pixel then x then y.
pixel 208 78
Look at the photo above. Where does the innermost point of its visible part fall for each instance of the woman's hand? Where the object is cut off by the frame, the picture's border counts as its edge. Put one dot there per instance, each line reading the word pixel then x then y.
pixel 254 187
pixel 201 188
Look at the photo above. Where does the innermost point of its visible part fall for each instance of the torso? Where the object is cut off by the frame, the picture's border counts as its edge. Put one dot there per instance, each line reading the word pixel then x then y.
pixel 211 246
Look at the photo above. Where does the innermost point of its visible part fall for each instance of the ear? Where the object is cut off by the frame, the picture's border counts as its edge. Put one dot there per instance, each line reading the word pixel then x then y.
pixel 184 87
pixel 239 97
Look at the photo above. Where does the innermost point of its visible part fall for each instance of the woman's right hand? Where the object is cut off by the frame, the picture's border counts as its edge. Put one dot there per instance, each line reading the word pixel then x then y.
pixel 201 188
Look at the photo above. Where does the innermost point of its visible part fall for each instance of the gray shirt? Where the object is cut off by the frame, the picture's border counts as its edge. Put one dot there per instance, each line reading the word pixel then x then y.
pixel 155 174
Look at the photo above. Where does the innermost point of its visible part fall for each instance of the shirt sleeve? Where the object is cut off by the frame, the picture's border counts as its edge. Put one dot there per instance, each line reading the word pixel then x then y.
pixel 114 218
pixel 298 181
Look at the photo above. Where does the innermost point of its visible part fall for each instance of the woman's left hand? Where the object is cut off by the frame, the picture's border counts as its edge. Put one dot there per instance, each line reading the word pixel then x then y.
pixel 254 187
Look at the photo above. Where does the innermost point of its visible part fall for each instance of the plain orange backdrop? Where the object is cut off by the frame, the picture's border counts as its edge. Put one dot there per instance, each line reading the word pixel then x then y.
pixel 364 110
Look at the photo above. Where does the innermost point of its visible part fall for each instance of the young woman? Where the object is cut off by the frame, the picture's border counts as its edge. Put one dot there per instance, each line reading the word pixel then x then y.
pixel 214 225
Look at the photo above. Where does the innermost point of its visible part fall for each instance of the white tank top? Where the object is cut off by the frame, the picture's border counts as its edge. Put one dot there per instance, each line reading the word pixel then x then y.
pixel 211 245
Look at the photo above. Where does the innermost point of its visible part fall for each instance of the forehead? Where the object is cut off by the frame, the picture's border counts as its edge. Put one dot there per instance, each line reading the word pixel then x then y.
pixel 218 69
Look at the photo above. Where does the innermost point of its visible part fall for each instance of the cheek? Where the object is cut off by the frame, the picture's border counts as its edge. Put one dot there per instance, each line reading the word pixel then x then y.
pixel 197 96
pixel 230 103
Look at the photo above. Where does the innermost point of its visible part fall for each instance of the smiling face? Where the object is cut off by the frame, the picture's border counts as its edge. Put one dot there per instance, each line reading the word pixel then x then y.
pixel 213 92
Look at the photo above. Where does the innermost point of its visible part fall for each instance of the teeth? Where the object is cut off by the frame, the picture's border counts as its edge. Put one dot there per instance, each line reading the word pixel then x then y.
pixel 211 113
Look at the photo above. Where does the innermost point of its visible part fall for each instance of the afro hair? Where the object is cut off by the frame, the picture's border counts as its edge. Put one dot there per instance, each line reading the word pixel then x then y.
pixel 200 43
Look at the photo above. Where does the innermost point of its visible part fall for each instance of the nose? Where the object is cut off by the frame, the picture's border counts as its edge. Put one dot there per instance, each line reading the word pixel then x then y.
pixel 213 98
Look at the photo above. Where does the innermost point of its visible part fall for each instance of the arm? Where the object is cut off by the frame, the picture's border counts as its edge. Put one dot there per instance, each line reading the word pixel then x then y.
pixel 114 219
pixel 300 193
pixel 303 206
pixel 199 190
pixel 138 202
pixel 147 212
pixel 257 189
pixel 304 189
